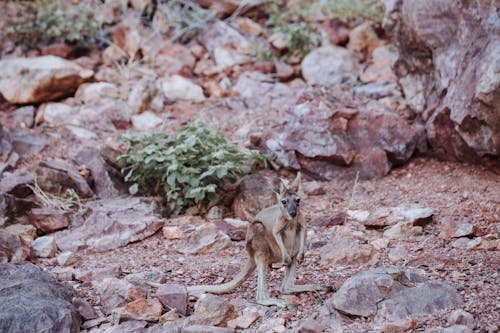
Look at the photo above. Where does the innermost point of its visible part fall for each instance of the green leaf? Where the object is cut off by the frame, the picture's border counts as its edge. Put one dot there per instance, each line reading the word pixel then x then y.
pixel 133 189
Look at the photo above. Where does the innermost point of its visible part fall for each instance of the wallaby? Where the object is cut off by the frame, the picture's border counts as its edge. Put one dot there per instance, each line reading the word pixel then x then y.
pixel 277 233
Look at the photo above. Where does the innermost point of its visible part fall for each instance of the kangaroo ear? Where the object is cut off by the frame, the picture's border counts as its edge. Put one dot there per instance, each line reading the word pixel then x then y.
pixel 283 187
pixel 296 184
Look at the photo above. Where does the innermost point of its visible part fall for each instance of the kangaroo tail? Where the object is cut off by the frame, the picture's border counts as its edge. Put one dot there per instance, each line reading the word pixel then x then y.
pixel 228 286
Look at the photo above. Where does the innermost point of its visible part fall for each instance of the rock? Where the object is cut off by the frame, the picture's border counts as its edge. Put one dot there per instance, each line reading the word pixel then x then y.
pixel 45 247
pixel 358 215
pixel 84 308
pixel 273 325
pixel 48 220
pixel 388 216
pixel 310 325
pixel 27 145
pixel 146 121
pixel 89 92
pixel 55 114
pixel 283 70
pixel 245 320
pixel 55 176
pixel 392 295
pixel 24 116
pixel 169 58
pixel 204 239
pixel 333 31
pixel 67 258
pixel 377 90
pixel 141 95
pixel 17 183
pixel 401 325
pixel 330 65
pixel 212 310
pixel 451 228
pixel 60 50
pixel 255 192
pixel 24 231
pixel 330 317
pixel 93 158
pixel 278 41
pixel 398 254
pixel 206 329
pixel 248 26
pixel 226 56
pixel 403 230
pixel 173 296
pixel 363 38
pixel 228 7
pixel 176 87
pixel 31 301
pixel 127 37
pixel 380 69
pixel 171 233
pixel 327 220
pixel 347 251
pixel 342 135
pixel 234 228
pixel 116 293
pixel 454 90
pixel 98 274
pixel 142 309
pixel 35 80
pixel 461 317
pixel 108 224
pixel 221 34
pixel 457 329
pixel 13 248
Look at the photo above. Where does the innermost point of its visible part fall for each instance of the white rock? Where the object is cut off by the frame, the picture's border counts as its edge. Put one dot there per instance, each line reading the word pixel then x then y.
pixel 56 114
pixel 177 87
pixel 45 247
pixel 34 80
pixel 146 120
pixel 67 258
pixel 330 65
pixel 359 215
pixel 89 92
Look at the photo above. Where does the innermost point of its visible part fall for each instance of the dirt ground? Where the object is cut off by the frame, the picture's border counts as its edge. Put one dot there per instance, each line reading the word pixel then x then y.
pixel 452 190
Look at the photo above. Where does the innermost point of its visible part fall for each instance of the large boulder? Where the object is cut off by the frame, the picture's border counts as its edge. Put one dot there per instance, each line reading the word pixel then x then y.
pixel 449 70
pixel 35 80
pixel 392 295
pixel 109 224
pixel 333 134
pixel 32 301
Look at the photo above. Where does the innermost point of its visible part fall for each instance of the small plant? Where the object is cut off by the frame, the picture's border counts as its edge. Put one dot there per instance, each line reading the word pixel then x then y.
pixel 68 200
pixel 189 169
pixel 47 21
pixel 262 53
pixel 298 34
pixel 184 18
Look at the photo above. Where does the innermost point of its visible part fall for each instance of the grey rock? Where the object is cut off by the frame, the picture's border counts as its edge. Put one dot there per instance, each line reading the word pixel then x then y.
pixel 45 247
pixel 13 248
pixel 17 183
pixel 56 175
pixel 255 192
pixel 393 295
pixel 204 239
pixel 173 296
pixel 461 317
pixel 109 224
pixel 31 301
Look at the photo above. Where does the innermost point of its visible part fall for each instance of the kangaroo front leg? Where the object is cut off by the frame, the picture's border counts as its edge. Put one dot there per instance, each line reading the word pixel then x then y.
pixel 302 242
pixel 279 240
pixel 289 285
pixel 263 297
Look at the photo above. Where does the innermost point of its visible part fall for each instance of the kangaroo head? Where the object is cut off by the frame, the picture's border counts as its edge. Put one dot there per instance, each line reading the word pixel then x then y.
pixel 288 197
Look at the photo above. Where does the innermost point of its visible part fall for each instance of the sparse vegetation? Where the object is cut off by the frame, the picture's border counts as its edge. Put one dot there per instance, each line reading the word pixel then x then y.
pixel 189 169
pixel 299 35
pixel 47 21
pixel 68 200
pixel 183 18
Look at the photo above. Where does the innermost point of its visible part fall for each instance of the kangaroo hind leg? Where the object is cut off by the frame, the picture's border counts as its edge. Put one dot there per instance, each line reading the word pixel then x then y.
pixel 289 285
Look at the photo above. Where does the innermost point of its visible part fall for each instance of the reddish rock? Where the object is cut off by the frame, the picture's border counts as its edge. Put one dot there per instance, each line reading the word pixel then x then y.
pixel 142 309
pixel 116 293
pixel 48 220
pixel 363 38
pixel 13 248
pixel 347 251
pixel 455 90
pixel 204 239
pixel 173 296
pixel 61 50
pixel 212 310
pixel 255 192
pixel 98 274
pixel 84 308
pixel 453 228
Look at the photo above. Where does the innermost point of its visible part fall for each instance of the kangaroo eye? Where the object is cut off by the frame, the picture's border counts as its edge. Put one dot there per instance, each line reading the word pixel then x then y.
pixel 283 202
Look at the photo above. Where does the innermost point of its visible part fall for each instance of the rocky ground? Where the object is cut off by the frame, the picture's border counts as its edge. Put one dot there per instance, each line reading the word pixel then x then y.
pixel 407 235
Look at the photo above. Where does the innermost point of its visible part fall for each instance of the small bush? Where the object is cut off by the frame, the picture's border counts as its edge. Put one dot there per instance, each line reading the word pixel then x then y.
pixel 47 21
pixel 189 169
pixel 299 35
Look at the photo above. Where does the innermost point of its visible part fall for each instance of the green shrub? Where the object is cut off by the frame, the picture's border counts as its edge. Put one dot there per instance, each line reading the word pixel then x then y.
pixel 189 169
pixel 356 10
pixel 47 21
pixel 300 36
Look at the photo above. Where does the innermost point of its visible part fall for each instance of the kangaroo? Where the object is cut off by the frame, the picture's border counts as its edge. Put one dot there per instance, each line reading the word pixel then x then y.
pixel 277 234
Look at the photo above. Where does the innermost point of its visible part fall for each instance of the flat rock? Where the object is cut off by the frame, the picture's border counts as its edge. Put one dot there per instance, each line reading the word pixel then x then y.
pixel 17 183
pixel 56 114
pixel 245 320
pixel 109 224
pixel 212 310
pixel 32 302
pixel 330 65
pixel 67 258
pixel 347 251
pixel 388 216
pixel 48 220
pixel 57 175
pixel 206 329
pixel 393 295
pixel 142 309
pixel 173 296
pixel 145 121
pixel 204 239
pixel 173 232
pixel 34 80
pixel 13 248
pixel 115 293
pixel 89 92
pixel 461 317
pixel 452 228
